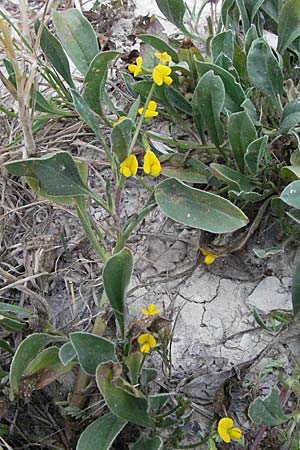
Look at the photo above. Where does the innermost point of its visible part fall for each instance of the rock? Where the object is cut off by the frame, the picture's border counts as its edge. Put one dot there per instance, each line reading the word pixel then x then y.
pixel 270 294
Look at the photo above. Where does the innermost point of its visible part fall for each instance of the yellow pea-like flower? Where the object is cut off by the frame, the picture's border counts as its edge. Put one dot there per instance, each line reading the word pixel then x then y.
pixel 136 68
pixel 147 342
pixel 151 310
pixel 163 57
pixel 161 74
pixel 226 430
pixel 151 164
pixel 209 257
pixel 150 111
pixel 129 166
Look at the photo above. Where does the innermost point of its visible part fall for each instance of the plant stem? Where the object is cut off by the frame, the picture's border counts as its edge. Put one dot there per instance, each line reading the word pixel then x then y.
pixel 139 125
pixel 85 222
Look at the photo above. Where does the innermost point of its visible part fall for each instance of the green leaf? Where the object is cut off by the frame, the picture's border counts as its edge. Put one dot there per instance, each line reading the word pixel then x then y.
pixel 290 173
pixel 177 100
pixel 251 36
pixel 116 277
pixel 208 101
pixel 47 359
pixel 234 179
pixel 159 45
pixel 5 346
pixel 190 170
pixel 94 81
pixel 77 36
pixel 146 443
pixel 267 411
pixel 57 174
pixel 92 350
pixel 241 133
pixel 222 42
pixel 272 251
pixel 133 362
pixel 67 200
pixel 26 352
pixel 148 374
pixel 121 138
pixel 291 194
pixel 288 24
pixel 234 94
pixel 157 401
pixel 290 116
pixel 12 325
pixel 101 433
pixel 134 109
pixel 86 114
pixel 198 209
pixel 54 53
pixel 173 10
pixel 294 214
pixel 255 154
pixel 244 15
pixel 121 402
pixel 8 307
pixel 67 353
pixel 296 289
pixel 264 70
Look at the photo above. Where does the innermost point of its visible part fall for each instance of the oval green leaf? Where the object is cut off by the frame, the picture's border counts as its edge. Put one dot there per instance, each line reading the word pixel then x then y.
pixel 241 133
pixel 77 36
pixel 25 353
pixel 291 194
pixel 101 433
pixel 288 24
pixel 92 350
pixel 264 70
pixel 198 209
pixel 208 101
pixel 94 81
pixel 116 277
pixel 121 403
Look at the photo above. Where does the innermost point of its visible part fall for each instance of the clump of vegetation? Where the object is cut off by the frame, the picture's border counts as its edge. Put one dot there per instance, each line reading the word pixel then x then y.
pixel 238 104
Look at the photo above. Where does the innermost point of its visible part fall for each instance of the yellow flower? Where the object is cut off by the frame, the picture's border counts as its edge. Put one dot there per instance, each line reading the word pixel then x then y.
pixel 161 74
pixel 136 68
pixel 118 121
pixel 209 257
pixel 129 166
pixel 150 111
pixel 151 310
pixel 146 341
pixel 163 57
pixel 151 164
pixel 226 430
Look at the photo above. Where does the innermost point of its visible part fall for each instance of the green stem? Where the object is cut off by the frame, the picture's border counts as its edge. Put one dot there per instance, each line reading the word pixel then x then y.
pixel 139 125
pixel 100 202
pixel 197 444
pixel 85 222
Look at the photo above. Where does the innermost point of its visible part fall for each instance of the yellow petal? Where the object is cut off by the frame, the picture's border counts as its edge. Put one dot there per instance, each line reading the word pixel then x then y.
pixel 139 61
pixel 145 348
pixel 152 105
pixel 132 67
pixel 147 161
pixel 164 57
pixel 149 114
pixel 151 308
pixel 151 341
pixel 224 427
pixel 168 81
pixel 235 433
pixel 209 259
pixel 142 338
pixel 125 171
pixel 140 111
pixel 157 77
pixel 145 311
pixel 163 70
pixel 133 164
